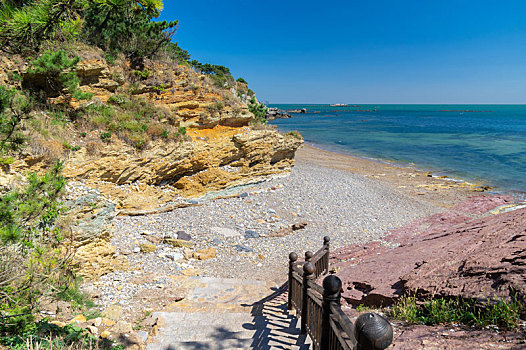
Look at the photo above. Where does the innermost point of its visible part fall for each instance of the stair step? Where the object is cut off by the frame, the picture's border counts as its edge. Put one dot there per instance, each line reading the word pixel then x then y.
pixel 228 314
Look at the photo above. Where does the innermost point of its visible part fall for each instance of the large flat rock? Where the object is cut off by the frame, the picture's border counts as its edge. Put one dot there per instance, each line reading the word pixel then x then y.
pixel 467 252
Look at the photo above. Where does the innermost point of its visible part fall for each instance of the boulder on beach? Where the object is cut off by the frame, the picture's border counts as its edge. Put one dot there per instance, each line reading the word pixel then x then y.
pixel 465 252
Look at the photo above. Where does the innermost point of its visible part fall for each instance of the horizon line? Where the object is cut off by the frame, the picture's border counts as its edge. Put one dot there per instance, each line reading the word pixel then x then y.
pixel 399 103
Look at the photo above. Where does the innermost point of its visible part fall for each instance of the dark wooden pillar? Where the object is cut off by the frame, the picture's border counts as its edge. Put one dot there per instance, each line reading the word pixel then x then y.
pixel 293 257
pixel 332 286
pixel 308 274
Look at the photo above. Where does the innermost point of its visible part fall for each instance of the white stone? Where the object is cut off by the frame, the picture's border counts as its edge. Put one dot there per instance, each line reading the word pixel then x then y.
pixel 226 232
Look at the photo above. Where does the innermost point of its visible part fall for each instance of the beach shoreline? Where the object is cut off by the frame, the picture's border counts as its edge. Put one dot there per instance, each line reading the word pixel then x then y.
pixel 436 189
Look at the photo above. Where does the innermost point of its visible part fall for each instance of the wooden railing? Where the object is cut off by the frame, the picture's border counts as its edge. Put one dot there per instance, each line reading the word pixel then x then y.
pixel 319 308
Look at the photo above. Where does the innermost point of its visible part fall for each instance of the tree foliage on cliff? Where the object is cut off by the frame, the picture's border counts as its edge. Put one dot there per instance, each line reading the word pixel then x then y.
pixel 14 107
pixel 52 74
pixel 26 25
pixel 127 26
pixel 258 109
pixel 32 263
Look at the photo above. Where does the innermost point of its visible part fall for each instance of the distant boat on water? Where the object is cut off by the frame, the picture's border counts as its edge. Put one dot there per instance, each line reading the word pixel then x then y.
pixel 339 105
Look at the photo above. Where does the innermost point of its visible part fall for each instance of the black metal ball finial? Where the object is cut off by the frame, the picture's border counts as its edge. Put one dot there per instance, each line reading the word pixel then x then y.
pixel 326 239
pixel 332 284
pixel 308 268
pixel 293 256
pixel 373 332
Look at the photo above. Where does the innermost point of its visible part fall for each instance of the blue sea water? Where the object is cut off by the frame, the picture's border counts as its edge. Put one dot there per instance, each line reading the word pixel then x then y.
pixel 477 143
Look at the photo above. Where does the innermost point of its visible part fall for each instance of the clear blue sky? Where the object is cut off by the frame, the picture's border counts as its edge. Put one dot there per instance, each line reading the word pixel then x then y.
pixel 367 51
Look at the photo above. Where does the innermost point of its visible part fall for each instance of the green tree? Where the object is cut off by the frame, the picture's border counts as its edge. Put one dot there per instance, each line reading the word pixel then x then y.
pixel 26 25
pixel 53 74
pixel 32 262
pixel 258 109
pixel 14 107
pixel 177 53
pixel 127 26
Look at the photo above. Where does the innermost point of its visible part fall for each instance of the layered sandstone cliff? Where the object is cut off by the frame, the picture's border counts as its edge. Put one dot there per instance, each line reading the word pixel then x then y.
pixel 220 149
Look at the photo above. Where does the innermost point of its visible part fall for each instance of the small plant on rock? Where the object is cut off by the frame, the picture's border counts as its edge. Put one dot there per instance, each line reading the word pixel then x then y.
pixel 105 136
pixel 295 134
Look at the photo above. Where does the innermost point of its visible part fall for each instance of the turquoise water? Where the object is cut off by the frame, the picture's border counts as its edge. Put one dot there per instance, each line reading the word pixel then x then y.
pixel 478 143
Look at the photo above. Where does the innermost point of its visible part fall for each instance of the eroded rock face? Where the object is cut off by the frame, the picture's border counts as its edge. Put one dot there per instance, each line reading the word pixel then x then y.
pixel 448 255
pixel 88 218
pixel 234 156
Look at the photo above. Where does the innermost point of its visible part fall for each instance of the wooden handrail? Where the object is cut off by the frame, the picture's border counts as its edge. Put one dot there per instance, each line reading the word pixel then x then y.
pixel 337 315
pixel 315 286
pixel 319 307
pixel 298 270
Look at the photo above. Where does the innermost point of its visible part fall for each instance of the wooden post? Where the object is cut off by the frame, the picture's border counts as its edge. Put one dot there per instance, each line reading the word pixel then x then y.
pixel 293 257
pixel 308 274
pixel 326 244
pixel 332 286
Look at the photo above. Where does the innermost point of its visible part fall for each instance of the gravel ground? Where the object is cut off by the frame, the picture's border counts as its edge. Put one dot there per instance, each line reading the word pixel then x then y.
pixel 347 207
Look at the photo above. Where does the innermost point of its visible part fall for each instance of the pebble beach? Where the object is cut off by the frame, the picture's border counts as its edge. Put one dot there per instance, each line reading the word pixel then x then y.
pixel 251 233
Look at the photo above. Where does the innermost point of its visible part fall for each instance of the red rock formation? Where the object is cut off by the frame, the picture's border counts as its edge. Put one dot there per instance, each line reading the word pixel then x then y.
pixel 457 253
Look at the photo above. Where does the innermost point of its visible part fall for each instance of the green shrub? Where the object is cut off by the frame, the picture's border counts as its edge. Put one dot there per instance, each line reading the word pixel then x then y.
pixel 142 73
pixel 15 77
pixel 77 298
pixel 130 118
pixel 220 81
pixel 32 261
pixel 7 160
pixel 105 136
pixel 258 109
pixel 117 99
pixel 241 80
pixel 159 89
pixel 502 313
pixel 14 107
pixel 406 309
pixel 69 147
pixel 53 74
pixel 295 134
pixel 45 335
pixel 110 58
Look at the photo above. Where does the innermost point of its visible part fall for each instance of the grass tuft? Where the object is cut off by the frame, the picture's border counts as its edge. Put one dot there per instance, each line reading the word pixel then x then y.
pixel 502 313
